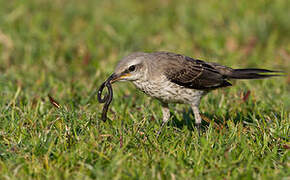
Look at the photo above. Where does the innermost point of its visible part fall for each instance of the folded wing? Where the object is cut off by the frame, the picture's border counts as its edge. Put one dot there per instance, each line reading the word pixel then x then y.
pixel 192 73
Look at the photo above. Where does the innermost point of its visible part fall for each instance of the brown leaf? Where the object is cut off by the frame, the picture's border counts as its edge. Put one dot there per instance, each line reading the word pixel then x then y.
pixel 246 96
pixel 53 102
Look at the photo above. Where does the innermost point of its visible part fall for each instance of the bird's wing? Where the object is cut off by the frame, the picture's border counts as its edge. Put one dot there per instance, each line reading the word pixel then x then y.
pixel 193 73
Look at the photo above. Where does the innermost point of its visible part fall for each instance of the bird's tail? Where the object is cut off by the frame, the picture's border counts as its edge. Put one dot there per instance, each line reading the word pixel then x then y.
pixel 252 73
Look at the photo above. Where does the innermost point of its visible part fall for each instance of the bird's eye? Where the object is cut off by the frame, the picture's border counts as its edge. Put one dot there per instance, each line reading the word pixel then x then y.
pixel 132 68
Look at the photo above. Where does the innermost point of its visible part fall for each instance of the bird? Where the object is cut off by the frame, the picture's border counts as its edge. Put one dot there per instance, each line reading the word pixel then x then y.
pixel 175 78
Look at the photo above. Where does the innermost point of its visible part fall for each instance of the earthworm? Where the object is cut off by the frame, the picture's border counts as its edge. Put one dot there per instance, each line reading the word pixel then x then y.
pixel 107 99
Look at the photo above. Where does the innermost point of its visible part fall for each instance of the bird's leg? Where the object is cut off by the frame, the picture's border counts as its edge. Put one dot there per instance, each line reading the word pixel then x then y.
pixel 197 116
pixel 166 116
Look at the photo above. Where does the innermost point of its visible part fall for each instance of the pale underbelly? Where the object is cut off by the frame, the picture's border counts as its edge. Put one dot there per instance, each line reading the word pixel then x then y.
pixel 170 92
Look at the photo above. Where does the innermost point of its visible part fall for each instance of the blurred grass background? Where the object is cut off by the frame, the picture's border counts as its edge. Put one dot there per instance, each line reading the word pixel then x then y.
pixel 68 48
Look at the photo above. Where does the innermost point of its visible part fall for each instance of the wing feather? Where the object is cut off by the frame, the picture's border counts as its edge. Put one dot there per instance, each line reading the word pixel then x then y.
pixel 193 73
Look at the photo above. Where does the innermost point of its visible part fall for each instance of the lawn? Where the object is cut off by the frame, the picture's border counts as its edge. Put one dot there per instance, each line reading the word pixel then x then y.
pixel 68 48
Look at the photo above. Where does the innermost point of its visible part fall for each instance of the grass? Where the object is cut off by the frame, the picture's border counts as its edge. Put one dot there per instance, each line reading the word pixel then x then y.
pixel 68 48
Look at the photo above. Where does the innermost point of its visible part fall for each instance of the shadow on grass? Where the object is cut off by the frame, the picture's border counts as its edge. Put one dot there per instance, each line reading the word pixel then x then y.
pixel 189 121
pixel 186 121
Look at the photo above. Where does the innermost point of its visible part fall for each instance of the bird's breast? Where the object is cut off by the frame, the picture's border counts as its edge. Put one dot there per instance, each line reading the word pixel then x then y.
pixel 169 92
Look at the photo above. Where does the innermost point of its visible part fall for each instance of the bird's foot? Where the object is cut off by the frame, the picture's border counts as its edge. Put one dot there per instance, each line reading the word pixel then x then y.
pixel 160 129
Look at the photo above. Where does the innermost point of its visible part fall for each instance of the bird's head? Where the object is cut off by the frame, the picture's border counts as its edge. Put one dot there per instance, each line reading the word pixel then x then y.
pixel 130 68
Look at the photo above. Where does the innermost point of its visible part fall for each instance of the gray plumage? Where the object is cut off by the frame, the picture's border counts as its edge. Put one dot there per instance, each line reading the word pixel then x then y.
pixel 174 78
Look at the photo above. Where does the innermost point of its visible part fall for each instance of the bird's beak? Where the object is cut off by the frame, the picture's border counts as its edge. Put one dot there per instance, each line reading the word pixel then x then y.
pixel 117 77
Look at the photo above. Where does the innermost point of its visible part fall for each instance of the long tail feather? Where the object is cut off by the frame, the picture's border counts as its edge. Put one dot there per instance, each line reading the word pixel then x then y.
pixel 253 73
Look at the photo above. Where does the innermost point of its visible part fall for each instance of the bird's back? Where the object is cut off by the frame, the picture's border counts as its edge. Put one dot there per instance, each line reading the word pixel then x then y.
pixel 197 74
